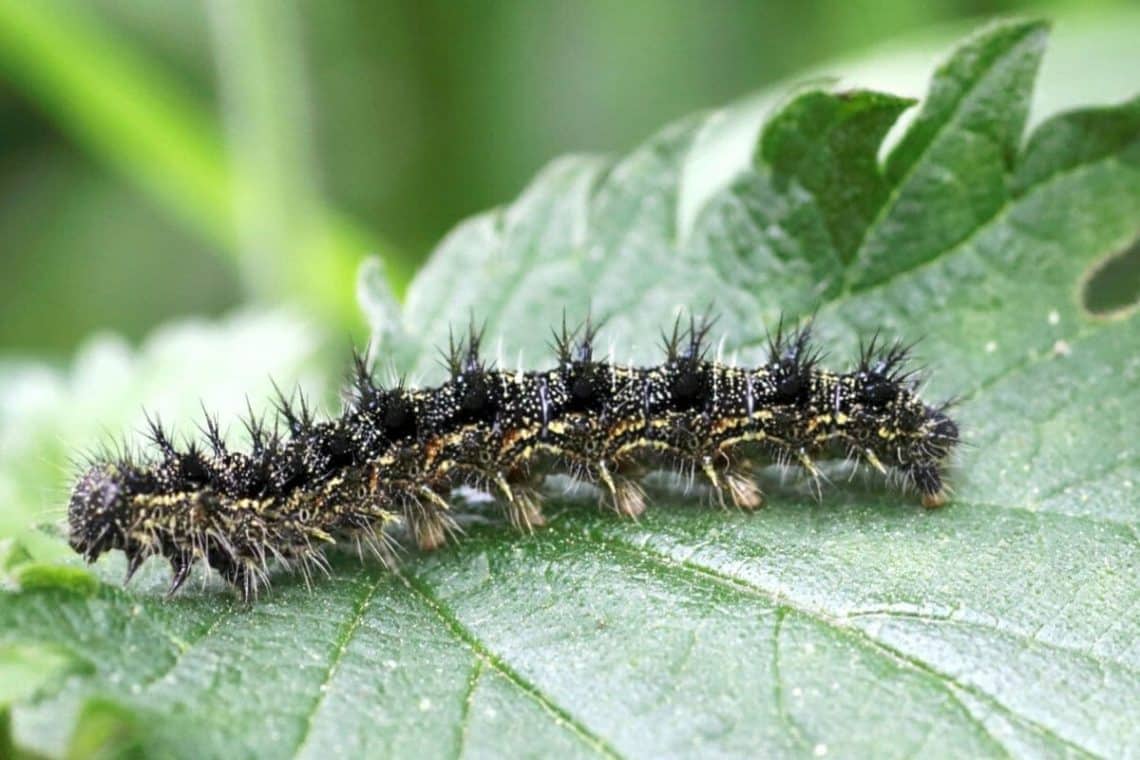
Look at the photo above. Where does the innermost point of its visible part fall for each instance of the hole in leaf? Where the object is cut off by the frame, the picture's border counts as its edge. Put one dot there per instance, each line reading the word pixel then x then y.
pixel 1113 285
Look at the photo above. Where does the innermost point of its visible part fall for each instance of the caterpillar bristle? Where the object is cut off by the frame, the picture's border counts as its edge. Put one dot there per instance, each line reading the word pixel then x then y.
pixel 211 430
pixel 362 387
pixel 568 347
pixel 395 454
pixel 562 342
pixel 699 329
pixel 474 364
pixel 158 435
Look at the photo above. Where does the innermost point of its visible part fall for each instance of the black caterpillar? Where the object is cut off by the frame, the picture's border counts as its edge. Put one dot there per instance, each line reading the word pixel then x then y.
pixel 395 454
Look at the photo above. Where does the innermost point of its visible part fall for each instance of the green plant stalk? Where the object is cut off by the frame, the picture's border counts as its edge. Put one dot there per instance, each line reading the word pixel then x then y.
pixel 263 82
pixel 130 115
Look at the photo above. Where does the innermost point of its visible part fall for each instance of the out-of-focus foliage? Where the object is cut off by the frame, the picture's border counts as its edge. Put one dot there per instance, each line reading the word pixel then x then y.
pixel 166 158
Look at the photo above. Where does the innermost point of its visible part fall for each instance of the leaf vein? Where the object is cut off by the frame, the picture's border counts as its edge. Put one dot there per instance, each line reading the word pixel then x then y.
pixel 465 711
pixel 464 636
pixel 778 681
pixel 184 647
pixel 941 679
pixel 348 631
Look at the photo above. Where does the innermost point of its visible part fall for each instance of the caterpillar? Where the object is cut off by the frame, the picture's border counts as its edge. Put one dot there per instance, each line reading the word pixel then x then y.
pixel 395 454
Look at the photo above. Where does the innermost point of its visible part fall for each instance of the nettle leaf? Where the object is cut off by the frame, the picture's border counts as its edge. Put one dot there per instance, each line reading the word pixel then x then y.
pixel 51 420
pixel 858 624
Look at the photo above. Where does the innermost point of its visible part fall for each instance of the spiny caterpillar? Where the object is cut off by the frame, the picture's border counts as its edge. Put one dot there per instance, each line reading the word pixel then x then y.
pixel 395 454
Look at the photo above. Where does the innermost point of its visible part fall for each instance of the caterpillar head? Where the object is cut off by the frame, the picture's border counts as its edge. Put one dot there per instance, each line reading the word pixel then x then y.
pixel 97 512
pixel 894 427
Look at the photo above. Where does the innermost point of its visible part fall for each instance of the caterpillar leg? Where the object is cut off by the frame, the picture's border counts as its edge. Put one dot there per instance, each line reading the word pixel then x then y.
pixel 180 564
pixel 521 500
pixel 245 578
pixel 136 554
pixel 429 520
pixel 804 461
pixel 732 479
pixel 742 489
pixel 524 510
pixel 626 495
pixel 928 481
pixel 934 500
pixel 369 534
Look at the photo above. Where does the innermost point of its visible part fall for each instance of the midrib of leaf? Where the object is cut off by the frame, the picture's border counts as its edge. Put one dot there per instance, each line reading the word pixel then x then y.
pixel 1030 638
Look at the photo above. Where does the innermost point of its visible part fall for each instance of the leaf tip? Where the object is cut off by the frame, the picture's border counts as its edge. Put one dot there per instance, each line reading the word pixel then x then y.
pixel 34 576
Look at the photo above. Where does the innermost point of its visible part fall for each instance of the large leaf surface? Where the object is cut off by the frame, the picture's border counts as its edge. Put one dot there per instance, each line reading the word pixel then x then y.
pixel 1005 623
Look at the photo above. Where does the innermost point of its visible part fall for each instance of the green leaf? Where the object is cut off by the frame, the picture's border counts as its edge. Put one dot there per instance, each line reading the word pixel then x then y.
pixel 27 669
pixel 855 625
pixel 827 144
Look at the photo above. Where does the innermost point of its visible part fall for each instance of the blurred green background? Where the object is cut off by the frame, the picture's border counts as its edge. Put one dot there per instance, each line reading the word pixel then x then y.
pixel 169 157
